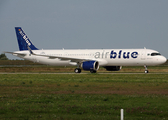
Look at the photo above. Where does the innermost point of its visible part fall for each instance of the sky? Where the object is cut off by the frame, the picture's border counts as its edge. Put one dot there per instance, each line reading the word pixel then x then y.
pixel 85 24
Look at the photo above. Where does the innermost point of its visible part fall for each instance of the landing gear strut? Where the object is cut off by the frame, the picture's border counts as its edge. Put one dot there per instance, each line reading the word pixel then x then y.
pixel 146 69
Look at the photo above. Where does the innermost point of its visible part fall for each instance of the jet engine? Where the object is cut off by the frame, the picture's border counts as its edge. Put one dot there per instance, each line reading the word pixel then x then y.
pixel 90 65
pixel 113 68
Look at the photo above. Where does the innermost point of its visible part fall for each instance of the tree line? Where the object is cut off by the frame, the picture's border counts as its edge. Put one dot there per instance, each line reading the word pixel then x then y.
pixel 3 57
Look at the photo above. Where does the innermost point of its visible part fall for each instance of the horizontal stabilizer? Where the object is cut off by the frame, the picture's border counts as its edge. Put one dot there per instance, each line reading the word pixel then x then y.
pixel 13 53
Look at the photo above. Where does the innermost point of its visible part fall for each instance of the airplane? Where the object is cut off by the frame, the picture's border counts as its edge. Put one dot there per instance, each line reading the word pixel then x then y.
pixel 87 59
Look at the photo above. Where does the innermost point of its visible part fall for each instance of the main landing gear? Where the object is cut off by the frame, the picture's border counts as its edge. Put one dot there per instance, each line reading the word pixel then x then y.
pixel 77 70
pixel 93 71
pixel 146 69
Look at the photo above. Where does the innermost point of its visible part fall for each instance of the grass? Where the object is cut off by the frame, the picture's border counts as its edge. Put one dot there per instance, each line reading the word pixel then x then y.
pixel 83 96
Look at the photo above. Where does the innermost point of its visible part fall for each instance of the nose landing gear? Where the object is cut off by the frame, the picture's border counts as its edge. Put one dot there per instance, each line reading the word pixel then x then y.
pixel 146 69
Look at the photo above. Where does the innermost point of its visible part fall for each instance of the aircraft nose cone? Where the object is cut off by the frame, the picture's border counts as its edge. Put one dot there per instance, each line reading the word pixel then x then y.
pixel 160 60
pixel 164 60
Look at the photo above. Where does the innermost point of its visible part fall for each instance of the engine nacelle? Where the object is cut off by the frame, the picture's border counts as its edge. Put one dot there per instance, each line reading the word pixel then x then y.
pixel 90 65
pixel 113 68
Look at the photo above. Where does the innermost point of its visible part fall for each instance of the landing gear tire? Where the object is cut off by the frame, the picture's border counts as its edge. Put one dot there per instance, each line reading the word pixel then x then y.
pixel 77 70
pixel 146 71
pixel 93 71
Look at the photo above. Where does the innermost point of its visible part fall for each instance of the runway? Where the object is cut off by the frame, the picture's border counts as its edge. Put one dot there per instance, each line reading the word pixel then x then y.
pixel 77 73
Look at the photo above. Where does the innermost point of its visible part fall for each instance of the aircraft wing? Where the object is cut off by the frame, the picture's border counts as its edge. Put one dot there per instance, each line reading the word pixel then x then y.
pixel 13 53
pixel 72 59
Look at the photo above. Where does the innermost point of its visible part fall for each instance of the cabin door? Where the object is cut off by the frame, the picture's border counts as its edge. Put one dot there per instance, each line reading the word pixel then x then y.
pixel 143 54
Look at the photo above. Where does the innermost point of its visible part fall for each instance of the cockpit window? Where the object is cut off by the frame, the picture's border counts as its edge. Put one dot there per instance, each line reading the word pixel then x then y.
pixel 154 54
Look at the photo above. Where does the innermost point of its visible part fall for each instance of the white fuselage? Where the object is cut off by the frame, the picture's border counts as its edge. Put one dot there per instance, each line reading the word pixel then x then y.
pixel 105 57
